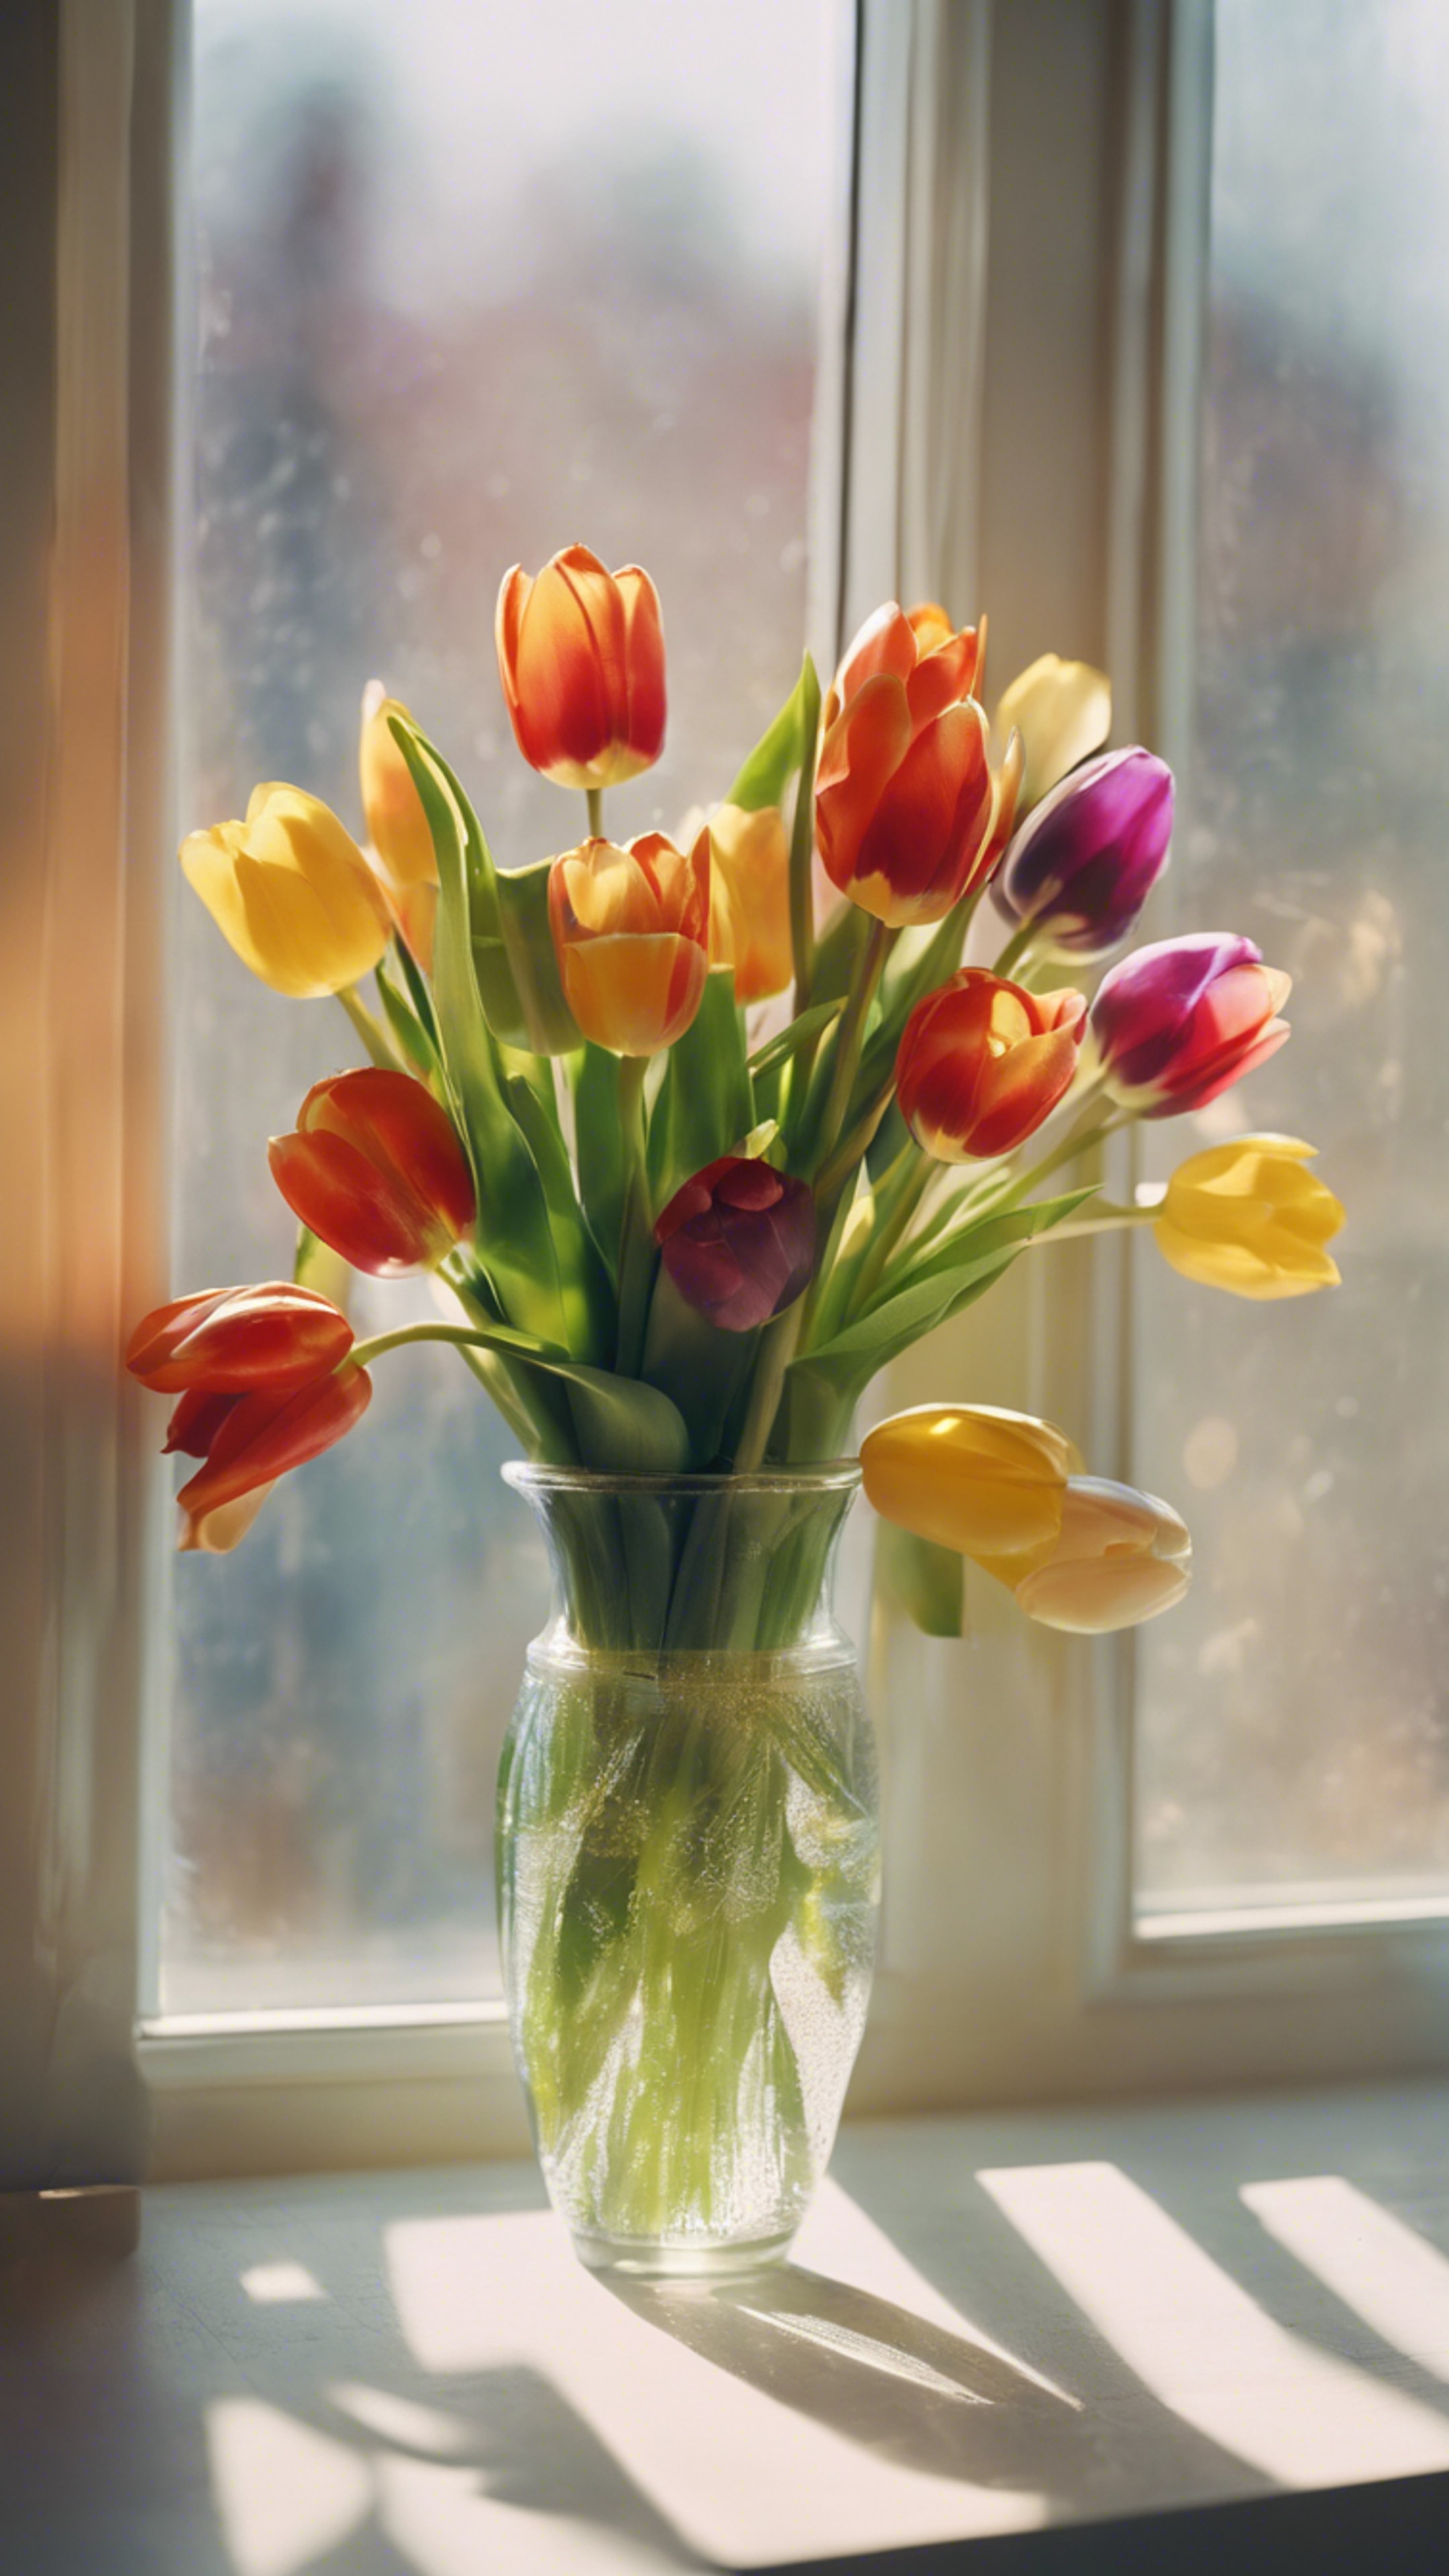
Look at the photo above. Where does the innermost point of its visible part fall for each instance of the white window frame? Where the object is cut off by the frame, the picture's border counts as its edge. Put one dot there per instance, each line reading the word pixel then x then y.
pixel 1010 343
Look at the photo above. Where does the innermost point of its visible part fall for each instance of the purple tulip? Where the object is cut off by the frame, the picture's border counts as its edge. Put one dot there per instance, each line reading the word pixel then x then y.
pixel 1175 1023
pixel 1088 856
pixel 738 1241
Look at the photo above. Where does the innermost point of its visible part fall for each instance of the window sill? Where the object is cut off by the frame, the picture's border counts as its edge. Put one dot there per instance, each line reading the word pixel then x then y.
pixel 1012 2341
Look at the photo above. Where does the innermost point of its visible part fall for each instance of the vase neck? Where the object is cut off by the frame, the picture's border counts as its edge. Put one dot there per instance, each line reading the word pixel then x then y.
pixel 697 1564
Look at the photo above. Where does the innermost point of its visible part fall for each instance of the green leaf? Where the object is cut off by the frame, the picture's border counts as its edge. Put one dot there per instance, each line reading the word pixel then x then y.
pixel 778 1050
pixel 622 1424
pixel 1017 1224
pixel 802 838
pixel 418 991
pixel 777 754
pixel 516 1245
pixel 316 1265
pixel 947 1281
pixel 587 1286
pixel 920 1581
pixel 406 1026
pixel 599 1143
pixel 515 960
pixel 837 952
pixel 705 1102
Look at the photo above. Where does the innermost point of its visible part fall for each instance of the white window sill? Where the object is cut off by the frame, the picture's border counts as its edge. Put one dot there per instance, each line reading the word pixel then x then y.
pixel 1005 2336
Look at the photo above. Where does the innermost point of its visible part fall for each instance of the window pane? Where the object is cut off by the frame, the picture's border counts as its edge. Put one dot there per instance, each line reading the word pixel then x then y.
pixel 477 278
pixel 1293 1726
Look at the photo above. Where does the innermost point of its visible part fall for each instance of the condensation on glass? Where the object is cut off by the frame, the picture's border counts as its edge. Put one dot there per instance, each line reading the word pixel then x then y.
pixel 475 281
pixel 1292 1740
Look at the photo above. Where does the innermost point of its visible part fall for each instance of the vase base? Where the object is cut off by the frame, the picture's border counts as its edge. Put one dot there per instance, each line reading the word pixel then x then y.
pixel 643 2258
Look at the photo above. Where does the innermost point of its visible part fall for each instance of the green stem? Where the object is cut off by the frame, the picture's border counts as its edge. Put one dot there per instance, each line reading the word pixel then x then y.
pixel 370 1029
pixel 1109 1222
pixel 636 1233
pixel 910 1189
pixel 777 1349
pixel 1015 949
pixel 848 1039
pixel 362 1354
pixel 594 797
pixel 1078 1140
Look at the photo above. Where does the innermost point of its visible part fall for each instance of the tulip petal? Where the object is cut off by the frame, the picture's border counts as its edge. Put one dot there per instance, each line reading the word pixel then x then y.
pixel 262 1438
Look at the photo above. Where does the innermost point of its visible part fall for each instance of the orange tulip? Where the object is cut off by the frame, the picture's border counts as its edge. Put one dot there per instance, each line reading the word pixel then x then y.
pixel 982 1062
pixel 631 934
pixel 581 655
pixel 909 814
pixel 749 899
pixel 397 827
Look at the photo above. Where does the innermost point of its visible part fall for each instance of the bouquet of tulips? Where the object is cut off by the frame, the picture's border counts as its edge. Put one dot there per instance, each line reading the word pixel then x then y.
pixel 676 1225
pixel 672 1227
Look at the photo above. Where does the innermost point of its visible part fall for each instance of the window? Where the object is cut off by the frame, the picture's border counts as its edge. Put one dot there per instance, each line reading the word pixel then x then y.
pixel 1293 1738
pixel 453 314
pixel 1110 346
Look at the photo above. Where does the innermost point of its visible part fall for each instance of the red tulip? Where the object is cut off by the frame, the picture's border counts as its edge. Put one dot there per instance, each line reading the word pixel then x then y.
pixel 738 1241
pixel 981 1063
pixel 230 1341
pixel 907 807
pixel 581 655
pixel 375 1170
pixel 248 1441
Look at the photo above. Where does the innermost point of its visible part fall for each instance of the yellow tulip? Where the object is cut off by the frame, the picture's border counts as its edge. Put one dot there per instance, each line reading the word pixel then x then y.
pixel 988 1483
pixel 292 892
pixel 749 899
pixel 1251 1218
pixel 397 827
pixel 1120 1557
pixel 1063 711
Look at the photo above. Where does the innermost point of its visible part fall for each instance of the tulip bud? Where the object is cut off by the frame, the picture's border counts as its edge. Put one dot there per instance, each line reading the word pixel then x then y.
pixel 397 827
pixel 259 1438
pixel 749 899
pixel 1174 1024
pixel 631 935
pixel 905 799
pixel 231 1341
pixel 738 1241
pixel 292 892
pixel 982 1062
pixel 1084 863
pixel 581 656
pixel 1120 1557
pixel 1063 711
pixel 1250 1218
pixel 375 1170
pixel 988 1483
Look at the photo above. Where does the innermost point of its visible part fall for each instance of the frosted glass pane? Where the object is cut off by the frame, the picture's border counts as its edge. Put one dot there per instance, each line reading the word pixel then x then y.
pixel 1292 1735
pixel 475 280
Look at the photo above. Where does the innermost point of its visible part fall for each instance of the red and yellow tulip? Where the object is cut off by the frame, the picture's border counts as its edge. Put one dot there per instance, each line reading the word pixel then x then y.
pixel 631 935
pixel 909 813
pixel 982 1062
pixel 581 657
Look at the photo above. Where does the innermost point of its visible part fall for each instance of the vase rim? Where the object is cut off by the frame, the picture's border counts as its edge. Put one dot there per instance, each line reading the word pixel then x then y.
pixel 825 1475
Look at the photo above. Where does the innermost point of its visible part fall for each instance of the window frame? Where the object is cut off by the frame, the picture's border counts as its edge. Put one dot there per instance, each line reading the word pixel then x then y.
pixel 1006 332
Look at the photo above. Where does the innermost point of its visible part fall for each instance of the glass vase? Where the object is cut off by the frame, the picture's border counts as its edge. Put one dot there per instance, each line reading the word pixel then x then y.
pixel 688 1855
